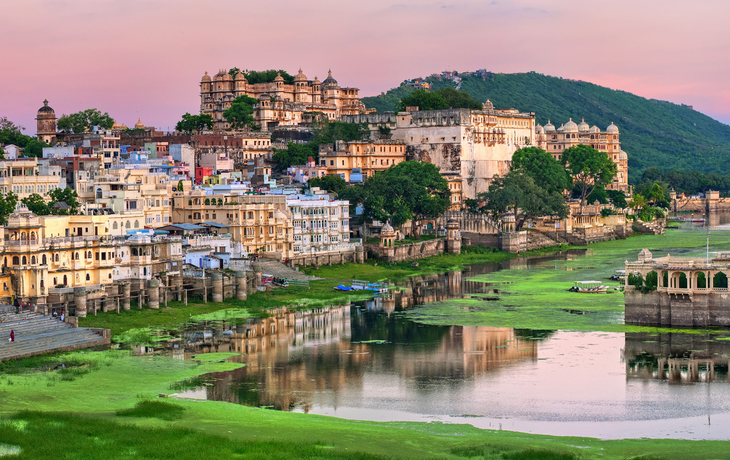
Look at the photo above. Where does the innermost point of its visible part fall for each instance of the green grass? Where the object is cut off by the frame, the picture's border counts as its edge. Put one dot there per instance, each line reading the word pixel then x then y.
pixel 40 436
pixel 155 409
pixel 375 270
pixel 536 297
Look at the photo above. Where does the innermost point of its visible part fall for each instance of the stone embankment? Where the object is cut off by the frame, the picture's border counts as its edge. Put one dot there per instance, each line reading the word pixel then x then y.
pixel 37 334
pixel 279 270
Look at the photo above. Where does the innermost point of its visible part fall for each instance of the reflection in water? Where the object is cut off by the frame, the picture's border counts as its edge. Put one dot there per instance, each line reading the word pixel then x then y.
pixel 677 358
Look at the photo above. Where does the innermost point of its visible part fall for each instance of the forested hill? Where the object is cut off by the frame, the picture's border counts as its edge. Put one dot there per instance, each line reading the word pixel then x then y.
pixel 653 133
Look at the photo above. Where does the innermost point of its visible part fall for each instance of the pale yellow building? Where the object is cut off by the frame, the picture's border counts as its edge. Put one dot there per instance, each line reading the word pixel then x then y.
pixel 48 255
pixel 370 156
pixel 555 141
pixel 22 177
pixel 261 223
pixel 280 104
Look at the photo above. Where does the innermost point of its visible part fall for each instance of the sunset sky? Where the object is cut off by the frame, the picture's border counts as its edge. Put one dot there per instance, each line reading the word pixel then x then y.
pixel 144 58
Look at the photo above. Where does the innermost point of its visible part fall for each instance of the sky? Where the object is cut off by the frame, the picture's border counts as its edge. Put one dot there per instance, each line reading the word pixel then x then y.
pixel 143 59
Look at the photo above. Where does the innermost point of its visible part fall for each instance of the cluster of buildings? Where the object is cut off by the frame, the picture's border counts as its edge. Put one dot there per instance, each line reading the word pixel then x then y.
pixel 152 202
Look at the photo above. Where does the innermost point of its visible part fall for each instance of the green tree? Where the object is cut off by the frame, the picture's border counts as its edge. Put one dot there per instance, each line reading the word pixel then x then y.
pixel 240 113
pixel 409 190
pixel 234 71
pixel 424 100
pixel 192 123
pixel 294 154
pixel 618 198
pixel 10 133
pixel 518 192
pixel 37 204
pixel 84 121
pixel 180 187
pixel 327 132
pixel 330 183
pixel 34 148
pixel 638 202
pixel 8 202
pixel 64 195
pixel 657 196
pixel 589 168
pixel 456 99
pixel 546 171
pixel 267 76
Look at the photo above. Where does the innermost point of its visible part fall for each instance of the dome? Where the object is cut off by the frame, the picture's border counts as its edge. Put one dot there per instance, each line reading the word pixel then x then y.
pixel 539 129
pixel 116 126
pixel 549 127
pixel 279 77
pixel 220 75
pixel 300 76
pixel 387 230
pixel 205 78
pixel 329 80
pixel 612 129
pixel 316 81
pixel 560 130
pixel 622 155
pixel 139 124
pixel 595 129
pixel 570 127
pixel 45 110
pixel 240 76
pixel 583 126
pixel 264 97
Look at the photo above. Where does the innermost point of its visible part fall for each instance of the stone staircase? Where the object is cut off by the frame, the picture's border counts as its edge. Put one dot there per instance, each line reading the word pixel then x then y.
pixel 650 228
pixel 37 334
pixel 278 269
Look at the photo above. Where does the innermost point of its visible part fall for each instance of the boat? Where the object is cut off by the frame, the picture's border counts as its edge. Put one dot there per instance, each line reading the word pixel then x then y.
pixel 689 219
pixel 341 287
pixel 618 275
pixel 358 285
pixel 589 287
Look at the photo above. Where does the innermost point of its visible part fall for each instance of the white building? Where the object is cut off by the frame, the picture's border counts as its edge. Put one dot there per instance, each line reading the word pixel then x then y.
pixel 321 225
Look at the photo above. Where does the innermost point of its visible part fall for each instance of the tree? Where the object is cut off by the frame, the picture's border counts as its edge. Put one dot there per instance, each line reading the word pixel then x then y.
pixel 638 202
pixel 34 148
pixel 267 76
pixel 409 190
pixel 294 154
pixel 657 196
pixel 180 187
pixel 424 100
pixel 64 195
pixel 618 198
pixel 84 121
pixel 589 168
pixel 8 202
pixel 327 132
pixel 37 204
pixel 546 171
pixel 240 113
pixel 519 192
pixel 10 133
pixel 330 183
pixel 456 99
pixel 192 123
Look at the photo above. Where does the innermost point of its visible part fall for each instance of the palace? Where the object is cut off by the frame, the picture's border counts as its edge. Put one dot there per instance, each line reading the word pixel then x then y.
pixel 280 104
pixel 555 141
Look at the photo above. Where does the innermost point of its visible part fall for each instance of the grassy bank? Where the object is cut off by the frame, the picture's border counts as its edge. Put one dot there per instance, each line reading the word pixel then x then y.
pixel 534 295
pixel 320 293
pixel 374 270
pixel 122 417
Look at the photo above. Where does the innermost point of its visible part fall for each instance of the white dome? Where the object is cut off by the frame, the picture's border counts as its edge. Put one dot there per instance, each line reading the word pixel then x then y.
pixel 622 155
pixel 595 129
pixel 612 129
pixel 549 127
pixel 539 129
pixel 583 126
pixel 570 127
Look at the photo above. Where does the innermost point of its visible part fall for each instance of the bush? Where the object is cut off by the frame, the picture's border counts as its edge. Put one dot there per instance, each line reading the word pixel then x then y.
pixel 153 409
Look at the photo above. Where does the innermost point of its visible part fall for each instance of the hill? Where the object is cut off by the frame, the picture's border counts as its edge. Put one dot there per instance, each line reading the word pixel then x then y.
pixel 653 133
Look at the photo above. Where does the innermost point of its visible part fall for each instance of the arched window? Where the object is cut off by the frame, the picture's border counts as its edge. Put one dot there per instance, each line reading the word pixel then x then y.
pixel 136 224
pixel 88 277
pixel 25 261
pixel 110 276
pixel 128 224
pixel 43 284
pixel 190 202
pixel 720 280
pixel 32 260
pixel 55 281
pixel 78 279
pixel 65 280
pixel 44 260
pixel 682 281
pixel 99 194
pixel 76 255
pixel 134 251
pixel 115 226
pixel 56 257
pixel 5 262
pixel 22 235
pixel 207 201
pixel 16 260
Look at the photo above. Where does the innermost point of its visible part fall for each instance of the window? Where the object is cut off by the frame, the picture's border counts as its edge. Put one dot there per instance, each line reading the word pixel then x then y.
pixel 43 260
pixel 88 277
pixel 25 261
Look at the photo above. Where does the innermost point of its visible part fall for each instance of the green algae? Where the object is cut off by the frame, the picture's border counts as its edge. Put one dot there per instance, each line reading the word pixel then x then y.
pixel 536 296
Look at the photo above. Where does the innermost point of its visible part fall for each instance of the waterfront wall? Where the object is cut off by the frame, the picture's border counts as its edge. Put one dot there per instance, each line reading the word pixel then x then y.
pixel 700 204
pixel 410 251
pixel 685 310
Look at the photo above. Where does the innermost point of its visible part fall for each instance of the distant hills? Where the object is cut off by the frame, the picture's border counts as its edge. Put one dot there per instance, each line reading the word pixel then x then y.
pixel 653 133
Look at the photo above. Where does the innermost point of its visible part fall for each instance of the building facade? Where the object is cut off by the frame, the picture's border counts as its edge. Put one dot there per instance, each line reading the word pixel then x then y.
pixel 46 124
pixel 23 178
pixel 556 140
pixel 280 104
pixel 370 156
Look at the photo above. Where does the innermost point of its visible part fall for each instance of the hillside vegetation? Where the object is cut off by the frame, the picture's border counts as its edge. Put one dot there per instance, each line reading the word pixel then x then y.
pixel 653 133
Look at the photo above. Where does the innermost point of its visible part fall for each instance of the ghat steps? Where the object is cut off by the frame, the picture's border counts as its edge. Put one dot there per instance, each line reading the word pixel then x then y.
pixel 37 334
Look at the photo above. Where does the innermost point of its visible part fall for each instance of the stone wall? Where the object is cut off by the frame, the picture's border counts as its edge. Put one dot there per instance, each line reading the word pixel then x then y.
pixel 685 310
pixel 328 259
pixel 410 251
